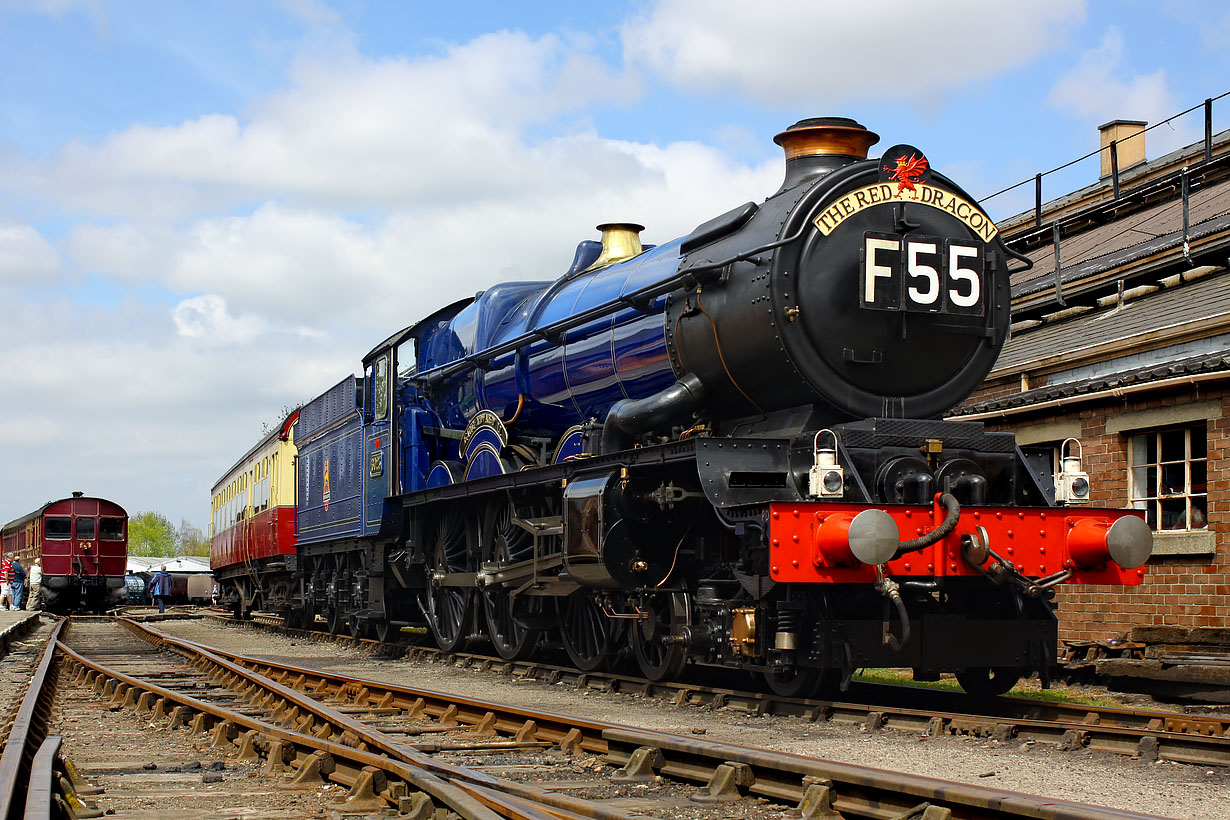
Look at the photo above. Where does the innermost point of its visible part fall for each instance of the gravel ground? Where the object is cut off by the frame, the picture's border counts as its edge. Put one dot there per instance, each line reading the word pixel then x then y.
pixel 1164 789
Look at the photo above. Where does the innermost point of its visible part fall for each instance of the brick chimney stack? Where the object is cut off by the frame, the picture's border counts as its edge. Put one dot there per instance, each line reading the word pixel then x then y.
pixel 1130 138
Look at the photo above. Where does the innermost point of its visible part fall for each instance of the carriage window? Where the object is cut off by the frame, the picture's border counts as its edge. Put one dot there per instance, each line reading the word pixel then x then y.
pixel 57 528
pixel 85 529
pixel 111 529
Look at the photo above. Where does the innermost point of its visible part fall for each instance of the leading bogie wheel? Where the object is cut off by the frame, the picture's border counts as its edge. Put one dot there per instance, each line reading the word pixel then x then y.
pixel 658 657
pixel 798 683
pixel 988 681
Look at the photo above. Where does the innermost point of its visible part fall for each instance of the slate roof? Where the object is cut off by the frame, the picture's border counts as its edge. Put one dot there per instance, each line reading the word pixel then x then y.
pixel 1206 363
pixel 1140 235
pixel 1202 299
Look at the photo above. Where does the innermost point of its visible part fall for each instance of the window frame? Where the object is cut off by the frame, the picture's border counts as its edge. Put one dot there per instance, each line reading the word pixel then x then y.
pixel 48 519
pixel 101 529
pixel 1157 502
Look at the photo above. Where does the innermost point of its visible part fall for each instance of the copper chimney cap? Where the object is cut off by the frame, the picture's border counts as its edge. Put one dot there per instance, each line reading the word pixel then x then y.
pixel 825 136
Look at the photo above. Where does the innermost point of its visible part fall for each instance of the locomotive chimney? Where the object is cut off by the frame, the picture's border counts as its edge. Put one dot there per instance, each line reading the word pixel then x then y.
pixel 816 146
pixel 78 494
pixel 620 241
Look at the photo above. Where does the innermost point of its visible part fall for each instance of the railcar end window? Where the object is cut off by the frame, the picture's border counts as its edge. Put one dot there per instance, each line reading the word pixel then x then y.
pixel 1168 477
pixel 111 529
pixel 57 528
pixel 85 529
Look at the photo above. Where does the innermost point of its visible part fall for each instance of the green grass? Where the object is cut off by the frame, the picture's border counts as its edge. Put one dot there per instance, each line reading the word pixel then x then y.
pixel 1030 689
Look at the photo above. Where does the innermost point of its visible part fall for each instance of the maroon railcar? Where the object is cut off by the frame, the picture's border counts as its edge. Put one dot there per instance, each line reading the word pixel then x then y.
pixel 83 545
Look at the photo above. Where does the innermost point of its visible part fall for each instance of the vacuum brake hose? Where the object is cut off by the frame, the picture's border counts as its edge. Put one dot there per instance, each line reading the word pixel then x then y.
pixel 949 523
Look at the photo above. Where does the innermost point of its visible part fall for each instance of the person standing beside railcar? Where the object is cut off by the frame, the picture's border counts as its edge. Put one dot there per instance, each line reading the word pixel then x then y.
pixel 18 584
pixel 6 579
pixel 35 601
pixel 160 587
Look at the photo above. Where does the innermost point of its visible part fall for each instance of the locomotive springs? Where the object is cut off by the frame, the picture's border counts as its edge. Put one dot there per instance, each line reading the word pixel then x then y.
pixel 724 449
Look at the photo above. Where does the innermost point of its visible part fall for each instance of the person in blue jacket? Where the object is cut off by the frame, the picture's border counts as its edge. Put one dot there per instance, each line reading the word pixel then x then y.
pixel 160 587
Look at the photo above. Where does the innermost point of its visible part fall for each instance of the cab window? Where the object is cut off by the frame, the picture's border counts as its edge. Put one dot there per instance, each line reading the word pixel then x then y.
pixel 85 529
pixel 407 358
pixel 378 379
pixel 382 387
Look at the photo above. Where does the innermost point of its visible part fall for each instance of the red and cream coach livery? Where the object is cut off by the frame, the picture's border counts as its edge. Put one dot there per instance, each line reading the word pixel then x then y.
pixel 82 543
pixel 252 524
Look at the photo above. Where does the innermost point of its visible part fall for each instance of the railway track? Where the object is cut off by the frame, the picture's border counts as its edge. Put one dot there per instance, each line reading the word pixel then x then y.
pixel 1145 734
pixel 406 754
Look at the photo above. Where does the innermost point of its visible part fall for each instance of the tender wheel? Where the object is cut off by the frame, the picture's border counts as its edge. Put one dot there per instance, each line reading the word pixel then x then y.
pixel 505 544
pixel 448 609
pixel 587 632
pixel 294 618
pixel 657 659
pixel 338 622
pixel 988 681
pixel 802 683
pixel 383 631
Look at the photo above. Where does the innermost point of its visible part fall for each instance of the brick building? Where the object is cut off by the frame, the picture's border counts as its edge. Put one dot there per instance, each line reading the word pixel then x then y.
pixel 1121 340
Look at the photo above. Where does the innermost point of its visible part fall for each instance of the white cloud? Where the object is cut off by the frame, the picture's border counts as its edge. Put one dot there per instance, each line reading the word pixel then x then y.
pixel 1100 88
pixel 26 255
pixel 350 133
pixel 256 258
pixel 115 402
pixel 298 268
pixel 807 53
pixel 207 317
pixel 312 12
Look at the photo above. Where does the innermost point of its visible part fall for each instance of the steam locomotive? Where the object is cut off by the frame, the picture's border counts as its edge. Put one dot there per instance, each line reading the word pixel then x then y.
pixel 726 449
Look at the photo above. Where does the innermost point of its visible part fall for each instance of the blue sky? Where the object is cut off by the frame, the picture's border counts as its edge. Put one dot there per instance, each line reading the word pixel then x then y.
pixel 210 211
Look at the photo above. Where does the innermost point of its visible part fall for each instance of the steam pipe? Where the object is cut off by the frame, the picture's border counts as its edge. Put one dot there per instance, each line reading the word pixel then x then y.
pixel 628 418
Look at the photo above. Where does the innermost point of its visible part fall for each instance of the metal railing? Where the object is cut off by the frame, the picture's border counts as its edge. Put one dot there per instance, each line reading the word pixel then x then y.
pixel 1207 105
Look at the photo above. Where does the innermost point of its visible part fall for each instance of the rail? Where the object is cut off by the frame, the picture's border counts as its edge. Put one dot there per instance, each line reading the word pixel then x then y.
pixel 722 770
pixel 28 731
pixel 1146 734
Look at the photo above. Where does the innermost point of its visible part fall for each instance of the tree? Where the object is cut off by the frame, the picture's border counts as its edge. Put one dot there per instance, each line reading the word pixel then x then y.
pixel 284 413
pixel 151 534
pixel 191 540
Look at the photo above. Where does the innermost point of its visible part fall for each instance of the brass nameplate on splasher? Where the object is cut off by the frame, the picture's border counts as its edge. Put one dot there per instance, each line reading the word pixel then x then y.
pixel 883 193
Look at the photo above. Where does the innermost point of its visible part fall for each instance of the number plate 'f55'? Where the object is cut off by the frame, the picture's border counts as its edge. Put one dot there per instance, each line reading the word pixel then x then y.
pixel 922 274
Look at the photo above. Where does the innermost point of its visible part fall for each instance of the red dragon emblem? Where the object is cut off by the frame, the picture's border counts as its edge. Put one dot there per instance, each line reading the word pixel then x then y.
pixel 907 172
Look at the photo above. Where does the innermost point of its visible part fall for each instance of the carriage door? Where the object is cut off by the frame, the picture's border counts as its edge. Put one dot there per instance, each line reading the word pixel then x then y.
pixel 378 432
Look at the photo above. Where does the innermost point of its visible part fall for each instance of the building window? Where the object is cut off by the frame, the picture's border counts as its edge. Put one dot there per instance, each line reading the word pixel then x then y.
pixel 1168 475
